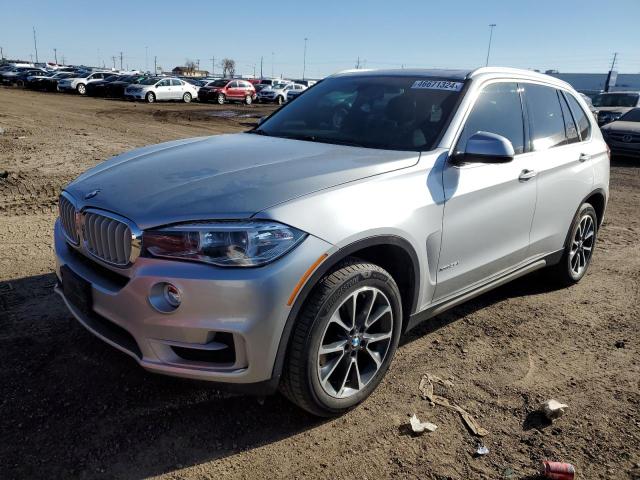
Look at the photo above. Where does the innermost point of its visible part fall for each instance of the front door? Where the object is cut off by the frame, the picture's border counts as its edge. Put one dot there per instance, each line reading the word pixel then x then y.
pixel 488 207
pixel 163 89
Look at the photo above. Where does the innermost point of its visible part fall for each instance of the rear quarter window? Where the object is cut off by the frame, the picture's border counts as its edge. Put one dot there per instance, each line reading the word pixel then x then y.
pixel 545 116
pixel 584 125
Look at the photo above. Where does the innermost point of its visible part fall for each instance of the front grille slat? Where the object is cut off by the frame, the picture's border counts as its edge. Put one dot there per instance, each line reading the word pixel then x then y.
pixel 107 239
pixel 68 218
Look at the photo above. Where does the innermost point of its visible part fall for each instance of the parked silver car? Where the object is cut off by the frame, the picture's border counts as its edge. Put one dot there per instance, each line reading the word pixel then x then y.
pixel 159 88
pixel 295 255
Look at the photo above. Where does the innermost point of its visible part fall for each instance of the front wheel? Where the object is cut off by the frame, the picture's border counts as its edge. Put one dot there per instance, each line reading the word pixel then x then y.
pixel 248 100
pixel 344 339
pixel 220 99
pixel 186 98
pixel 579 248
pixel 82 89
pixel 150 97
pixel 280 100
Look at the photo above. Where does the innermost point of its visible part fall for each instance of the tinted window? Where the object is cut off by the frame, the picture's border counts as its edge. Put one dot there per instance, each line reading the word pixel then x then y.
pixel 387 112
pixel 569 125
pixel 164 83
pixel 497 110
pixel 616 100
pixel 631 116
pixel 584 125
pixel 545 116
pixel 176 82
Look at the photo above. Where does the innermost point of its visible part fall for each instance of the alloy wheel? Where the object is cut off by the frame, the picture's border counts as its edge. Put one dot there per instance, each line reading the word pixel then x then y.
pixel 355 342
pixel 582 245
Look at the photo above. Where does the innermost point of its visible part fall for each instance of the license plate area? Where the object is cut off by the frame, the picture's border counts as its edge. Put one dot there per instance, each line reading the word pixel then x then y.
pixel 76 290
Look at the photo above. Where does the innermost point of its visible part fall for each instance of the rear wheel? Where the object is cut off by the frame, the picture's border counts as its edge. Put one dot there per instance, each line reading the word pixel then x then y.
pixel 248 100
pixel 579 249
pixel 344 339
pixel 280 100
pixel 220 99
pixel 150 97
pixel 81 89
pixel 186 98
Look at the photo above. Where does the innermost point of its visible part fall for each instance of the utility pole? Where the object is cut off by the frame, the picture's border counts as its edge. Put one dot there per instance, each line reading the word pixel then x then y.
pixel 55 54
pixel 613 65
pixel 272 54
pixel 120 60
pixel 261 60
pixel 35 43
pixel 358 63
pixel 304 61
pixel 155 64
pixel 146 59
pixel 114 61
pixel 63 62
pixel 491 27
pixel 213 65
pixel 1 54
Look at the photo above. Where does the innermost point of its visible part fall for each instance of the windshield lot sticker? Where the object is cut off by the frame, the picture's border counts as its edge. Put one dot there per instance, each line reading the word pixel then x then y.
pixel 438 85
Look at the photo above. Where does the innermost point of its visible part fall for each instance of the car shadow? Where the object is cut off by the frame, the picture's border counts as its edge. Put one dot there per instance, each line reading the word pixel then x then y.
pixel 625 161
pixel 72 406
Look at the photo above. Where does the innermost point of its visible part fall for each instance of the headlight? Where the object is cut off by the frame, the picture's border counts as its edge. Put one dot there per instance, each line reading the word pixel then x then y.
pixel 225 244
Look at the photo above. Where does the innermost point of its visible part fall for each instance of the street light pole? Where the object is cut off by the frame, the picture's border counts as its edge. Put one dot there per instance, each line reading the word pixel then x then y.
pixel 304 62
pixel 35 43
pixel 491 26
pixel 55 55
pixel 272 54
pixel 146 59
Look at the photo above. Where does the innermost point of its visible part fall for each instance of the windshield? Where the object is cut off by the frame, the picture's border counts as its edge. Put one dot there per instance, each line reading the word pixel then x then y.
pixel 395 113
pixel 266 82
pixel 112 78
pixel 149 81
pixel 279 86
pixel 219 83
pixel 631 116
pixel 616 100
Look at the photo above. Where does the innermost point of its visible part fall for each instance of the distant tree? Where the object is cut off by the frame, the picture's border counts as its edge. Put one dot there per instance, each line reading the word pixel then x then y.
pixel 228 67
pixel 190 65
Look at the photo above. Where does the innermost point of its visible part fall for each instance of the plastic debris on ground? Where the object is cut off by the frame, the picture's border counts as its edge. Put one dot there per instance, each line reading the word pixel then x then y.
pixel 426 389
pixel 481 450
pixel 558 470
pixel 420 427
pixel 553 409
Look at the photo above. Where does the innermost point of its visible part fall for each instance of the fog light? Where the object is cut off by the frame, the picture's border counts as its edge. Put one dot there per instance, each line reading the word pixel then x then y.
pixel 172 295
pixel 165 297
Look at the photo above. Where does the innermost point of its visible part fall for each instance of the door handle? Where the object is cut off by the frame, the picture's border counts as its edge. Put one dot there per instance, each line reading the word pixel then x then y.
pixel 527 175
pixel 584 157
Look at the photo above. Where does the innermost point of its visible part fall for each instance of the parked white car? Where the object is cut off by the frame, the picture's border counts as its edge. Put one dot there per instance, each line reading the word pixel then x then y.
pixel 295 91
pixel 156 88
pixel 79 84
pixel 278 93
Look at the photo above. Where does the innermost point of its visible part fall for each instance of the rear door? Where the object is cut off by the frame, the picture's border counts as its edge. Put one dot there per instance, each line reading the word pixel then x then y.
pixel 177 89
pixel 488 207
pixel 562 150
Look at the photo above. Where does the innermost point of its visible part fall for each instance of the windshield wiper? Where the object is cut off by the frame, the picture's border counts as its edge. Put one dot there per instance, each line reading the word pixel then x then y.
pixel 334 141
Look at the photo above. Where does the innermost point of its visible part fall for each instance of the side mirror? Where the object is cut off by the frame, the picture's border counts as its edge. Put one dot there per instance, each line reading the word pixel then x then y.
pixel 486 147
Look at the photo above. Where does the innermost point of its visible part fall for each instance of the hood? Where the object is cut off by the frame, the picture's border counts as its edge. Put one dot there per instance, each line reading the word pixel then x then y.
pixel 621 126
pixel 224 176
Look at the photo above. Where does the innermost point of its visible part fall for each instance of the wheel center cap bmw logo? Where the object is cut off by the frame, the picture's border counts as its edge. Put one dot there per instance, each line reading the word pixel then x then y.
pixel 355 342
pixel 91 194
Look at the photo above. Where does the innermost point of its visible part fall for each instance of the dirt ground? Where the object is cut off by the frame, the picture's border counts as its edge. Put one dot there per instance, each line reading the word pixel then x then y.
pixel 73 407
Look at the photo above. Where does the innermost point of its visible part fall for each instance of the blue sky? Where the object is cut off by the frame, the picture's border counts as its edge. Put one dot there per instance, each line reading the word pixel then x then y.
pixel 568 35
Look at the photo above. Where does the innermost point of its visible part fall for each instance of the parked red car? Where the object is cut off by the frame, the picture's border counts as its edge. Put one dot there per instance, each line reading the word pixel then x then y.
pixel 224 90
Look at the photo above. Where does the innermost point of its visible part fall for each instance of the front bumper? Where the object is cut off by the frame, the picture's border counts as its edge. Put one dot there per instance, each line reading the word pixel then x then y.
pixel 247 305
pixel 135 94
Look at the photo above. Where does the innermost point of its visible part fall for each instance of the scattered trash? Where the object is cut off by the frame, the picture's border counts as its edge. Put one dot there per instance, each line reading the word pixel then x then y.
pixel 508 473
pixel 558 470
pixel 620 344
pixel 1 131
pixel 420 427
pixel 426 388
pixel 553 409
pixel 481 450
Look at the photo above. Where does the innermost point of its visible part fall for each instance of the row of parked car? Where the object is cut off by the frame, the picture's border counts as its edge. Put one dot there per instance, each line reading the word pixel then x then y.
pixel 151 88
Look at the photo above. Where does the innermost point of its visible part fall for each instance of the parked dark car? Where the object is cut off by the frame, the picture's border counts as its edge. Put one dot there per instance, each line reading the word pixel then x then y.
pixel 116 89
pixel 48 84
pixel 612 105
pixel 224 90
pixel 99 89
pixel 623 135
pixel 23 77
pixel 8 77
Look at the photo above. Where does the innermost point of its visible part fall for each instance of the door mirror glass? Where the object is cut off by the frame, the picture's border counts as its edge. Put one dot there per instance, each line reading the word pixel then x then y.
pixel 486 147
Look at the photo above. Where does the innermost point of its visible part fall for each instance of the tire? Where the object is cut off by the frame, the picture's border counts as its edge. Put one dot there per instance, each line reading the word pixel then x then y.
pixel 578 252
pixel 20 83
pixel 328 384
pixel 186 98
pixel 280 100
pixel 220 99
pixel 150 97
pixel 248 100
pixel 81 89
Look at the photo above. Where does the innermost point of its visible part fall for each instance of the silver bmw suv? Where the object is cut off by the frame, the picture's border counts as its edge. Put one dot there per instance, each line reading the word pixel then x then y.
pixel 295 255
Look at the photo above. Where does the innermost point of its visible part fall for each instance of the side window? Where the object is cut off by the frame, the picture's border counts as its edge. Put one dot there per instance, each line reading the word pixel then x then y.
pixel 584 125
pixel 569 125
pixel 545 115
pixel 233 85
pixel 498 109
pixel 175 82
pixel 163 83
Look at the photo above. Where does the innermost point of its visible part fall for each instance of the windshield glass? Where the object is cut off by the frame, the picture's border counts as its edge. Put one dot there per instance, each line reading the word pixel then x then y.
pixel 149 81
pixel 616 100
pixel 112 78
pixel 395 113
pixel 278 86
pixel 219 83
pixel 631 116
